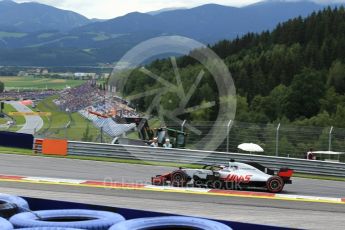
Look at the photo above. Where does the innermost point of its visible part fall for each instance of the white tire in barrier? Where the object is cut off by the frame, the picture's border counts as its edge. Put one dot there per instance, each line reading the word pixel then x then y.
pixel 8 209
pixel 170 222
pixel 68 218
pixel 20 202
pixel 5 225
pixel 48 228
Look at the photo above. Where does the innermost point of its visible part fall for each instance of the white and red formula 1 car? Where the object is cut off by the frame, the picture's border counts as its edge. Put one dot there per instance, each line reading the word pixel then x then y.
pixel 235 176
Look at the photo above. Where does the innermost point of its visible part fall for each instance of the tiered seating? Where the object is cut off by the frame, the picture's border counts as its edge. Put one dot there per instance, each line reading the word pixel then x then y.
pixel 88 97
pixel 112 128
pixel 108 125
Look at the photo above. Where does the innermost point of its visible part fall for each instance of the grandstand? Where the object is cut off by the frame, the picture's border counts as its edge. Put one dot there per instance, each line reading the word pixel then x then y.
pixel 97 106
pixel 75 99
pixel 108 125
pixel 27 95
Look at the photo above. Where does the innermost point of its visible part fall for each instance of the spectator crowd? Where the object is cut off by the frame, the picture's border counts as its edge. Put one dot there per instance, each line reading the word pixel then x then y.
pixel 90 98
pixel 27 95
pixel 75 99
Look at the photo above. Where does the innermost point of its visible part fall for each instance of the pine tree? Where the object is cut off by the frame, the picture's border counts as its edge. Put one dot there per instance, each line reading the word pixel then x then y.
pixel 2 87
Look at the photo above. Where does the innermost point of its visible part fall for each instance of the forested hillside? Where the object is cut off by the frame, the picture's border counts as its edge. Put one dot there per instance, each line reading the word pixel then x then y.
pixel 19 19
pixel 294 74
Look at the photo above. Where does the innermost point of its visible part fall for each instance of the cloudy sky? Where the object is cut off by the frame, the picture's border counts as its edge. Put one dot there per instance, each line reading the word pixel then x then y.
pixel 106 9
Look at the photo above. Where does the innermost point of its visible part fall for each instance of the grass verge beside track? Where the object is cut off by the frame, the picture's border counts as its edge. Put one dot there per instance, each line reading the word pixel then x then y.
pixel 57 119
pixel 20 120
pixel 37 83
pixel 66 125
pixel 3 121
pixel 7 150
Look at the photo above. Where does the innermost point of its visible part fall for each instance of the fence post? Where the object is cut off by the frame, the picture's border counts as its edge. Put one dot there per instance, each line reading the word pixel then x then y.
pixel 227 137
pixel 182 125
pixel 101 134
pixel 330 139
pixel 66 129
pixel 277 140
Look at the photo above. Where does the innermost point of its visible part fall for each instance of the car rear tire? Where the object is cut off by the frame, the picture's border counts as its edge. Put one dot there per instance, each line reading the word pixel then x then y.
pixel 275 184
pixel 179 179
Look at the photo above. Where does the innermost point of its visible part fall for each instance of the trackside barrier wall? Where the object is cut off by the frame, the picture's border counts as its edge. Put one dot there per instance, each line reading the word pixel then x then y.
pixel 43 204
pixel 38 146
pixel 54 147
pixel 182 156
pixel 16 140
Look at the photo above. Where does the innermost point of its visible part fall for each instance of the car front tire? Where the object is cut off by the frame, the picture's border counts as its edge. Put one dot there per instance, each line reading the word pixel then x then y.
pixel 179 179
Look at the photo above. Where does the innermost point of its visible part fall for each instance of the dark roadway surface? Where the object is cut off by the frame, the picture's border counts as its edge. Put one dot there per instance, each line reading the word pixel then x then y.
pixel 294 214
pixel 92 170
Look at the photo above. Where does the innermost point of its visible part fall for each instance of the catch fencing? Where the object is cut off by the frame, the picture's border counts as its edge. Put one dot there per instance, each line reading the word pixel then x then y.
pixel 283 140
pixel 183 156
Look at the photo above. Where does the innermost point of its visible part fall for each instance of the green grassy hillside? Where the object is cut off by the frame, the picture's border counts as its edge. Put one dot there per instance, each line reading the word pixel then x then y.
pixel 38 83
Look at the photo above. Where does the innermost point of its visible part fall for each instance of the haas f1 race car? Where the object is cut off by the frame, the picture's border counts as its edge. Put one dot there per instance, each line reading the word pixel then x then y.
pixel 236 176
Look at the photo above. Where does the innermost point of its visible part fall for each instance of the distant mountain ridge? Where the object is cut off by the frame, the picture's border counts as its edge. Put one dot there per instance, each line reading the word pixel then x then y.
pixel 106 41
pixel 32 17
pixel 156 12
pixel 207 23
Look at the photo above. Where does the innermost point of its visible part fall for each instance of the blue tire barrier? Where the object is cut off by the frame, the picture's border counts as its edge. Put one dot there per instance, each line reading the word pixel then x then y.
pixel 170 222
pixel 18 201
pixel 48 228
pixel 68 218
pixel 5 225
pixel 7 209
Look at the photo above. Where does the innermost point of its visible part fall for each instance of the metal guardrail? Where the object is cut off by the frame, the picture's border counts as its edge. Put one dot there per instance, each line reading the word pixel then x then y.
pixel 182 156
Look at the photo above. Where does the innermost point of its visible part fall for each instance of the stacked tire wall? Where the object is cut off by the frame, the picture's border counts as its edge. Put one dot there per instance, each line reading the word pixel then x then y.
pixel 60 215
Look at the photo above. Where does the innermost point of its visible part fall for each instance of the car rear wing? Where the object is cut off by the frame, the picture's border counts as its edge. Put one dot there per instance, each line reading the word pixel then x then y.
pixel 285 173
